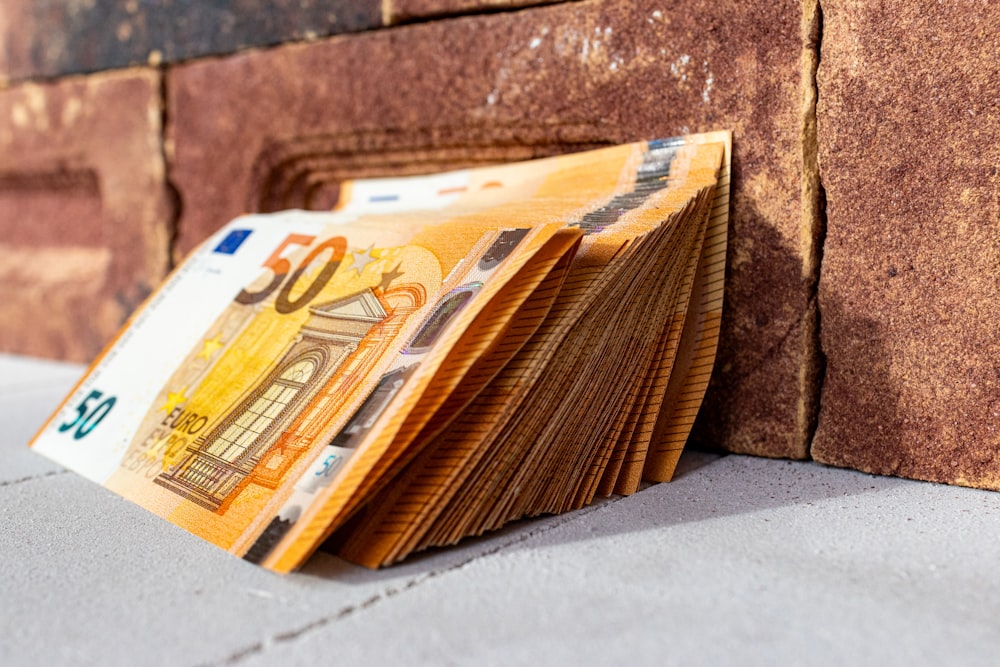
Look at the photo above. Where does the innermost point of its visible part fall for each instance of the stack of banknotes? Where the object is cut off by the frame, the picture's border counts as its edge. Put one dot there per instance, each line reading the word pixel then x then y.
pixel 434 358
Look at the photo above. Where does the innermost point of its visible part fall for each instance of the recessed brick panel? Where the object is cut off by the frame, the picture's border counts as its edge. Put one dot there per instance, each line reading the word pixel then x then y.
pixel 47 38
pixel 84 215
pixel 515 85
pixel 909 127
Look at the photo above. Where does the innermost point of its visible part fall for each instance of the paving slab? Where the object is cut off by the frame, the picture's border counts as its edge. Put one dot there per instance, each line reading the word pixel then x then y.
pixel 99 580
pixel 30 390
pixel 738 561
pixel 20 373
pixel 742 562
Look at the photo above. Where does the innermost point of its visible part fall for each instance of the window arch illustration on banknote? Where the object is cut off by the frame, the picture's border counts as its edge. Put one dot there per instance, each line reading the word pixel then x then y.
pixel 257 441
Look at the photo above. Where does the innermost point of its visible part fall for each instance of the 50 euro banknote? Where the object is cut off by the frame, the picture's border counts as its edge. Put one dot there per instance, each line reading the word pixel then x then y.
pixel 284 370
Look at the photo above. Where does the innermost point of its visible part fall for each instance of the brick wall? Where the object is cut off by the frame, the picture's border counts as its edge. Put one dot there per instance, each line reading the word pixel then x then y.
pixel 863 270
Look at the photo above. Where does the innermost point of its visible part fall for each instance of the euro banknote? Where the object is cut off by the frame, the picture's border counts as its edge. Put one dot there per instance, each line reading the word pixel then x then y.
pixel 301 371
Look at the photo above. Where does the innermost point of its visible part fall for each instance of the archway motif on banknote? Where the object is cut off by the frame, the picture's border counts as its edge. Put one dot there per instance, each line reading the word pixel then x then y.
pixel 260 437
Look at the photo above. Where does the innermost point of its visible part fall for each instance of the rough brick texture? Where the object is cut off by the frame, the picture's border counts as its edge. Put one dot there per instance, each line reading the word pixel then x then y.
pixel 265 130
pixel 52 37
pixel 84 213
pixel 909 122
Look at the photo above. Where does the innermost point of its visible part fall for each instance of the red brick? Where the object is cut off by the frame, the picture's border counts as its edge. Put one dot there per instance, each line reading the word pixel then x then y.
pixel 910 150
pixel 280 128
pixel 84 213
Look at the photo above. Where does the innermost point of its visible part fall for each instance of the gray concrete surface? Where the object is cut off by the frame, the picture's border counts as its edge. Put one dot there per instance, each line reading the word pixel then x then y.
pixel 739 561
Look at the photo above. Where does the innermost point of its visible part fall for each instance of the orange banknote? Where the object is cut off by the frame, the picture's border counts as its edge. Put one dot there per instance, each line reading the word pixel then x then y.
pixel 296 362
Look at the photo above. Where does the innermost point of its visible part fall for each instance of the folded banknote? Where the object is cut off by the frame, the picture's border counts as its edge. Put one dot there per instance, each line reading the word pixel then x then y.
pixel 437 356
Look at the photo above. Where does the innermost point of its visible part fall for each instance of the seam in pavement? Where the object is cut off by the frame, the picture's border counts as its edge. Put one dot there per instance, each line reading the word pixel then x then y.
pixel 21 480
pixel 288 636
